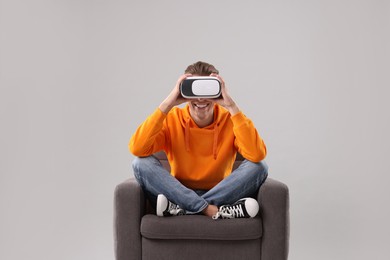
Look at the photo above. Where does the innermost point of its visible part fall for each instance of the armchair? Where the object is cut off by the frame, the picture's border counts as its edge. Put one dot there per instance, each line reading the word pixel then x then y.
pixel 140 234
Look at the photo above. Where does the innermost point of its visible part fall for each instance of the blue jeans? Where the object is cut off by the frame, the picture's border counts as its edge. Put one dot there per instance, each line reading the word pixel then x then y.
pixel 154 179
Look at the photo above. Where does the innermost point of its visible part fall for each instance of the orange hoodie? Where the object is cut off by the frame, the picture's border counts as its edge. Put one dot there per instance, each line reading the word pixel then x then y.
pixel 199 157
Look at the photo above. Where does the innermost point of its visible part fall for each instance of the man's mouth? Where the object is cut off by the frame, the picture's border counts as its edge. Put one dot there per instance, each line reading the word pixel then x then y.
pixel 201 105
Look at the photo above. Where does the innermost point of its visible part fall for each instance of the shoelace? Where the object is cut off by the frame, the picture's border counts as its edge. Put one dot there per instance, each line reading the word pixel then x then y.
pixel 229 212
pixel 174 209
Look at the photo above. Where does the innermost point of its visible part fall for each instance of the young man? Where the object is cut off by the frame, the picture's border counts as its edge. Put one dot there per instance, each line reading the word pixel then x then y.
pixel 201 141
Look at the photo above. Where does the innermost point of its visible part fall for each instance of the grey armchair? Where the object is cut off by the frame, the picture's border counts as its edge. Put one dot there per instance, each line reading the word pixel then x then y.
pixel 140 234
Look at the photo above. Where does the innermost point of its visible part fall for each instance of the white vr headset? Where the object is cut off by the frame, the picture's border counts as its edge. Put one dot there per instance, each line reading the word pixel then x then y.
pixel 200 87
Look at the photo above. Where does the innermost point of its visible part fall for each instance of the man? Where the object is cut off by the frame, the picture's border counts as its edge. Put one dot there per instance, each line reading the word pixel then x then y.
pixel 201 141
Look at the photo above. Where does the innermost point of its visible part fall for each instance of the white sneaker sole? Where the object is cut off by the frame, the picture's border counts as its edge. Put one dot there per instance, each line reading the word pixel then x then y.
pixel 162 204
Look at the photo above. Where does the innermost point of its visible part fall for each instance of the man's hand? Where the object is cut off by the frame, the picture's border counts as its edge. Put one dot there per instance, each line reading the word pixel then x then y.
pixel 225 99
pixel 174 97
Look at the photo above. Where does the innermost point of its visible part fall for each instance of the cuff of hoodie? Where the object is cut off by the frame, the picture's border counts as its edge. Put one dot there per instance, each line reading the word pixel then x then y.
pixel 158 115
pixel 239 119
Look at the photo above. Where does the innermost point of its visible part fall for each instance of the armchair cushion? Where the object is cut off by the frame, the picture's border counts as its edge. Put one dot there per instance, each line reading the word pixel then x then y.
pixel 200 227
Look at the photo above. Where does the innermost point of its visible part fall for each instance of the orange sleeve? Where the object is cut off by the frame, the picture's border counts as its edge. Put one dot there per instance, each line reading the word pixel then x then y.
pixel 150 136
pixel 247 140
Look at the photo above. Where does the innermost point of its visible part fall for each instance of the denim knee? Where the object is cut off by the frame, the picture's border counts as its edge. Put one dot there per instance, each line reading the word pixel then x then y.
pixel 259 168
pixel 136 165
pixel 141 164
pixel 262 169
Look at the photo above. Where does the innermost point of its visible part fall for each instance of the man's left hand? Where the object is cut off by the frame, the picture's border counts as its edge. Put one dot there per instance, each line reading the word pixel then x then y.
pixel 225 99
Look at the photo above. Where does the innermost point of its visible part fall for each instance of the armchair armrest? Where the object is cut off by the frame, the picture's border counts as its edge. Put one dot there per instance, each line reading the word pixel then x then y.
pixel 274 203
pixel 129 204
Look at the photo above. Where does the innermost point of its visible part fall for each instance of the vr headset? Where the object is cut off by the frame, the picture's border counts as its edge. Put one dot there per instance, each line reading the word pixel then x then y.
pixel 200 87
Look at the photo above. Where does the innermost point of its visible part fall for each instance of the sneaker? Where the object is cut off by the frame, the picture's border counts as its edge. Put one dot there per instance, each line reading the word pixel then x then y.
pixel 165 208
pixel 243 208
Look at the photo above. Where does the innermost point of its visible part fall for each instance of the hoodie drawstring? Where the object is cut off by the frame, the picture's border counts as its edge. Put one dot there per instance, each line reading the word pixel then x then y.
pixel 187 135
pixel 215 144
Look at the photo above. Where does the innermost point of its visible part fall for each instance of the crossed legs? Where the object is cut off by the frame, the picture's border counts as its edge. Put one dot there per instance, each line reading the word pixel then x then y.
pixel 242 182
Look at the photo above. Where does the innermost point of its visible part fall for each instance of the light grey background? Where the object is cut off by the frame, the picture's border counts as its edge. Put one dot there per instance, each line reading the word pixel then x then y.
pixel 78 76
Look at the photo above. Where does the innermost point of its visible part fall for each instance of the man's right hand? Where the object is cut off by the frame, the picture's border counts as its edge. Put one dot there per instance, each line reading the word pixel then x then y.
pixel 174 98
